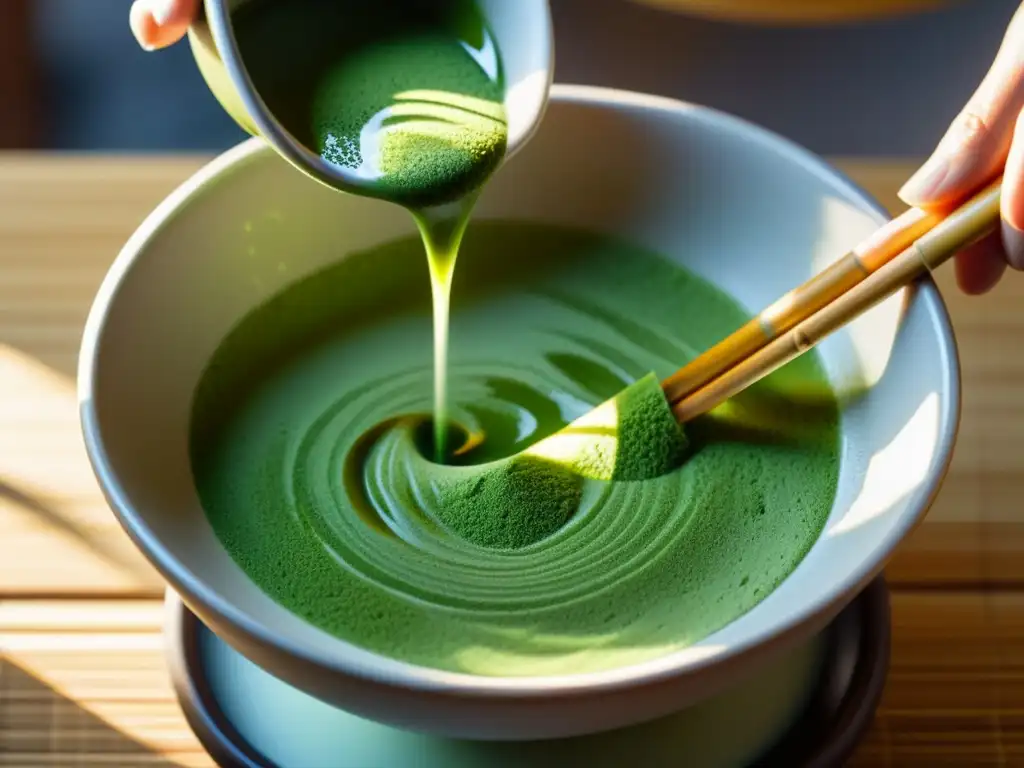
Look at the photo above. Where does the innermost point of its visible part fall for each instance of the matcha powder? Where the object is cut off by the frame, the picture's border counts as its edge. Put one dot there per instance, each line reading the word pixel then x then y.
pixel 409 95
pixel 520 502
pixel 512 503
pixel 418 112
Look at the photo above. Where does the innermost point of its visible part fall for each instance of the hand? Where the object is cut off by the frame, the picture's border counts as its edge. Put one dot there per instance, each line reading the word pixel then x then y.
pixel 159 23
pixel 987 135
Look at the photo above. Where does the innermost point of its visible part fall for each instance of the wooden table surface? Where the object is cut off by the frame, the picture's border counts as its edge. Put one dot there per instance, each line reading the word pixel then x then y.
pixel 82 677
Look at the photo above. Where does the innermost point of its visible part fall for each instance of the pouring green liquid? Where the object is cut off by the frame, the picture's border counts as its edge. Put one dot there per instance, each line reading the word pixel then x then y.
pixel 408 94
pixel 522 548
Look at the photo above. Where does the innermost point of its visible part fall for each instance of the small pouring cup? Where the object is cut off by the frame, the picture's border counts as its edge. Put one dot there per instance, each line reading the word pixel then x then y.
pixel 522 32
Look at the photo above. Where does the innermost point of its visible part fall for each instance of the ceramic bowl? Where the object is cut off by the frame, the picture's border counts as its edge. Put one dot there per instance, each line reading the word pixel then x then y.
pixel 742 207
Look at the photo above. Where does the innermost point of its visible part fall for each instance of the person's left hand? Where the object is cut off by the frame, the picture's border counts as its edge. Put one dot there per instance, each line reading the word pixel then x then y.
pixel 159 23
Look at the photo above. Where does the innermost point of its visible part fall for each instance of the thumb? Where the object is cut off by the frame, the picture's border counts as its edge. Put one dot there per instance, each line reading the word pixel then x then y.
pixel 976 145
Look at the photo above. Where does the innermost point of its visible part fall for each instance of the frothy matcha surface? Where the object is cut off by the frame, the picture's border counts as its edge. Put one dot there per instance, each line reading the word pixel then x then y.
pixel 311 454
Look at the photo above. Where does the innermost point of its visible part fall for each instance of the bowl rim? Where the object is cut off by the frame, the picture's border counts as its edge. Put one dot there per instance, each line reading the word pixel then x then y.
pixel 382 670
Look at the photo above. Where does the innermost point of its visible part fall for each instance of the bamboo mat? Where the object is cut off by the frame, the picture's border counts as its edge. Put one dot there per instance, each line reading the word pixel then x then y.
pixel 82 679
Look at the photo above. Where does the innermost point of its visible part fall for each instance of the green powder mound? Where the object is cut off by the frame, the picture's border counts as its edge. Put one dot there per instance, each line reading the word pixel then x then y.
pixel 651 441
pixel 436 120
pixel 632 436
pixel 511 505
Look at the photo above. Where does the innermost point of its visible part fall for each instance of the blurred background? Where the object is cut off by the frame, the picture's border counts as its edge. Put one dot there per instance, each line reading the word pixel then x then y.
pixel 72 77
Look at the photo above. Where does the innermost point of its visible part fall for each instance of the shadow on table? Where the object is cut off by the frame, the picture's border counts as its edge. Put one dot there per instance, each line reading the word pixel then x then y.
pixel 56 521
pixel 39 726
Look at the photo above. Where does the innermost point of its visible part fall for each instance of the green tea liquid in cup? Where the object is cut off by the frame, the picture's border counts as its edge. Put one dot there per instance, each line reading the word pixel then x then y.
pixel 406 96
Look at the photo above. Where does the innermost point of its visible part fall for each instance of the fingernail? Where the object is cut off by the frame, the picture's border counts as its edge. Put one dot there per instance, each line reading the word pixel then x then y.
pixel 926 183
pixel 1013 242
pixel 161 11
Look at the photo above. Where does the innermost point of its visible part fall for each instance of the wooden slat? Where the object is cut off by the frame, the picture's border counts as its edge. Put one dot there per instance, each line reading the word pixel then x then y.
pixel 960 556
pixel 84 683
pixel 62 221
pixel 955 694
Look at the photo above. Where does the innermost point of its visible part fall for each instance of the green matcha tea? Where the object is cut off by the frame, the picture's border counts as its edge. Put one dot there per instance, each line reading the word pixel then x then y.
pixel 407 95
pixel 521 553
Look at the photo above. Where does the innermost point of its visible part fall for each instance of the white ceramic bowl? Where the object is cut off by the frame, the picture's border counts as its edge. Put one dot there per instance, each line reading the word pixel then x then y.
pixel 740 206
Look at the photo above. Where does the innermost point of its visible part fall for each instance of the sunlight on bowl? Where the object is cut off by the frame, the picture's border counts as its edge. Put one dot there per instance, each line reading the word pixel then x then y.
pixel 874 333
pixel 522 104
pixel 473 657
pixel 896 470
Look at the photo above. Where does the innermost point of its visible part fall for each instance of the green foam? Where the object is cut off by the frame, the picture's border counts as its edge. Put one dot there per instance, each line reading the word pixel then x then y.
pixel 451 133
pixel 309 465
pixel 509 506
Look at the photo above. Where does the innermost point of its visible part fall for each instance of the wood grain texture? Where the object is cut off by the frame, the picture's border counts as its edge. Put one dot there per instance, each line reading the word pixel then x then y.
pixel 955 693
pixel 62 222
pixel 85 683
pixel 82 679
pixel 90 680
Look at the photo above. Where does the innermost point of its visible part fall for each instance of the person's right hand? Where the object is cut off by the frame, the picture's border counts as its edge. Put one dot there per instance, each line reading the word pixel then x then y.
pixel 159 23
pixel 986 138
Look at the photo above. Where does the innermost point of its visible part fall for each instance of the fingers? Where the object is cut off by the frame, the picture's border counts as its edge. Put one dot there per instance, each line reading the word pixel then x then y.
pixel 979 266
pixel 1013 199
pixel 159 23
pixel 986 137
pixel 978 141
